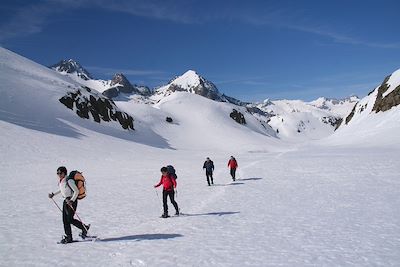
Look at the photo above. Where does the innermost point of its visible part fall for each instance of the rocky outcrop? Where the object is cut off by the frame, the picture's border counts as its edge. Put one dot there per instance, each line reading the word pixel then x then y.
pixel 350 116
pixel 389 101
pixel 237 116
pixel 334 121
pixel 84 102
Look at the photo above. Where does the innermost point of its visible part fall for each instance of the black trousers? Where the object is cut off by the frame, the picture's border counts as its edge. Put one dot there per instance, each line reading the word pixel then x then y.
pixel 171 195
pixel 68 218
pixel 209 175
pixel 233 173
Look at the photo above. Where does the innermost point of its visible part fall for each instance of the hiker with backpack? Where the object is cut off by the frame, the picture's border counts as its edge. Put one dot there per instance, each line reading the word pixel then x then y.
pixel 71 193
pixel 209 166
pixel 168 180
pixel 232 164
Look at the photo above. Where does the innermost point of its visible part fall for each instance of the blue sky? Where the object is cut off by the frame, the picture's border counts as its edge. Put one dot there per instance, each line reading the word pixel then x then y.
pixel 251 50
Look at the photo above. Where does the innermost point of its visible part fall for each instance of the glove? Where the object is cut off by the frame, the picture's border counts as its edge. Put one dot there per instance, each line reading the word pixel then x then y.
pixel 69 201
pixel 51 195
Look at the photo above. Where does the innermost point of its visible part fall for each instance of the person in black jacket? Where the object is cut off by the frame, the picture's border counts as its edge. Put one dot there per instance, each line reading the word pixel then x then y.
pixel 209 166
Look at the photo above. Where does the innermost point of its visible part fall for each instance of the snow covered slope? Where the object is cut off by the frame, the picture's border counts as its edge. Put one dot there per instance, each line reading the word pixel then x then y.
pixel 375 120
pixel 40 98
pixel 297 120
pixel 200 123
pixel 36 97
pixel 338 107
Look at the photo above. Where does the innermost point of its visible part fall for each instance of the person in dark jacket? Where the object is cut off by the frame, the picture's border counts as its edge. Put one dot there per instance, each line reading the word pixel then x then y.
pixel 169 184
pixel 209 166
pixel 232 164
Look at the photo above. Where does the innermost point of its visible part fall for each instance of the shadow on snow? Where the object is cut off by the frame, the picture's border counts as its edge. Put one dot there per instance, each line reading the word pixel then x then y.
pixel 233 183
pixel 141 237
pixel 250 179
pixel 221 213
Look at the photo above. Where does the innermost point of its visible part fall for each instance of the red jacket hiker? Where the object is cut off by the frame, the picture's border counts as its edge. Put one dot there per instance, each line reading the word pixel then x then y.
pixel 232 164
pixel 168 182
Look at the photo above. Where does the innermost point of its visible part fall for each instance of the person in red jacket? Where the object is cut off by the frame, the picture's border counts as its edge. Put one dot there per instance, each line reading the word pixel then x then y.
pixel 232 164
pixel 169 184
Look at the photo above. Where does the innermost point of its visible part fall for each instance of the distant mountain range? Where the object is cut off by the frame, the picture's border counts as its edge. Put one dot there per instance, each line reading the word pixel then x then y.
pixel 288 118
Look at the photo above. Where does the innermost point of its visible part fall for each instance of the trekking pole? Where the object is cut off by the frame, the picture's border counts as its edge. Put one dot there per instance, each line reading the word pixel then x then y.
pixel 84 226
pixel 158 195
pixel 56 204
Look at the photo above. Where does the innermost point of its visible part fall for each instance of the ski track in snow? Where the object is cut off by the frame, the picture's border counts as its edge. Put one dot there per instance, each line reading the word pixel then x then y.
pixel 299 208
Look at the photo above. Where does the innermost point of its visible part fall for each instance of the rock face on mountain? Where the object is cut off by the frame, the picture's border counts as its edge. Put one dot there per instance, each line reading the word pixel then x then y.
pixel 72 67
pixel 190 82
pixel 386 100
pixel 382 99
pixel 102 109
pixel 120 84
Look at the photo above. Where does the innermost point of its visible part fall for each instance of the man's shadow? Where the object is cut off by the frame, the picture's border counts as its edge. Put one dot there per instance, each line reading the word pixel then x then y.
pixel 221 213
pixel 249 179
pixel 233 183
pixel 141 237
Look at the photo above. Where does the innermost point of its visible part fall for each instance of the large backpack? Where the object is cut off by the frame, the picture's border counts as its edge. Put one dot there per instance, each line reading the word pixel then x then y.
pixel 80 183
pixel 171 171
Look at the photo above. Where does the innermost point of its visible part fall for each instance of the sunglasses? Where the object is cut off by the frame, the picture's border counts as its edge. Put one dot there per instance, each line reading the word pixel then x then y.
pixel 58 173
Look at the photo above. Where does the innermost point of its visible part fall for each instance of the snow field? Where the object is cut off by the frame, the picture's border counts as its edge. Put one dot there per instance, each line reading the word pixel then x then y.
pixel 317 206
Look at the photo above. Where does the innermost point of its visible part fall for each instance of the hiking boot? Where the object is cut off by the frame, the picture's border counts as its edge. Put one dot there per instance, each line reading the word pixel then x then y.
pixel 85 230
pixel 66 240
pixel 177 213
pixel 165 215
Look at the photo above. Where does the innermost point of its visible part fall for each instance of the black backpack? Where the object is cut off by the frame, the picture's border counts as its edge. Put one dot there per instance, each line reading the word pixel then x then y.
pixel 171 171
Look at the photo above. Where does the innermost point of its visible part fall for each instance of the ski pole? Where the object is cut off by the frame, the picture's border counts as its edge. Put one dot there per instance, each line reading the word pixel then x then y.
pixel 84 226
pixel 56 204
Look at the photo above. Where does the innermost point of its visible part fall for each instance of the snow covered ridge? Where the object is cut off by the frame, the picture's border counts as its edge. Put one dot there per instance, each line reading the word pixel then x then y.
pixel 70 66
pixel 86 102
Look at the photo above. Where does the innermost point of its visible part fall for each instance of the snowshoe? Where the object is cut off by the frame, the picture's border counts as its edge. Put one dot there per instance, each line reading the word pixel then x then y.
pixel 85 231
pixel 66 240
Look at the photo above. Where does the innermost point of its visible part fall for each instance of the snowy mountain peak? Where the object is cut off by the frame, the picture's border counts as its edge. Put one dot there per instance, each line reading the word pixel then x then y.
pixel 188 80
pixel 120 79
pixel 70 66
pixel 191 82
